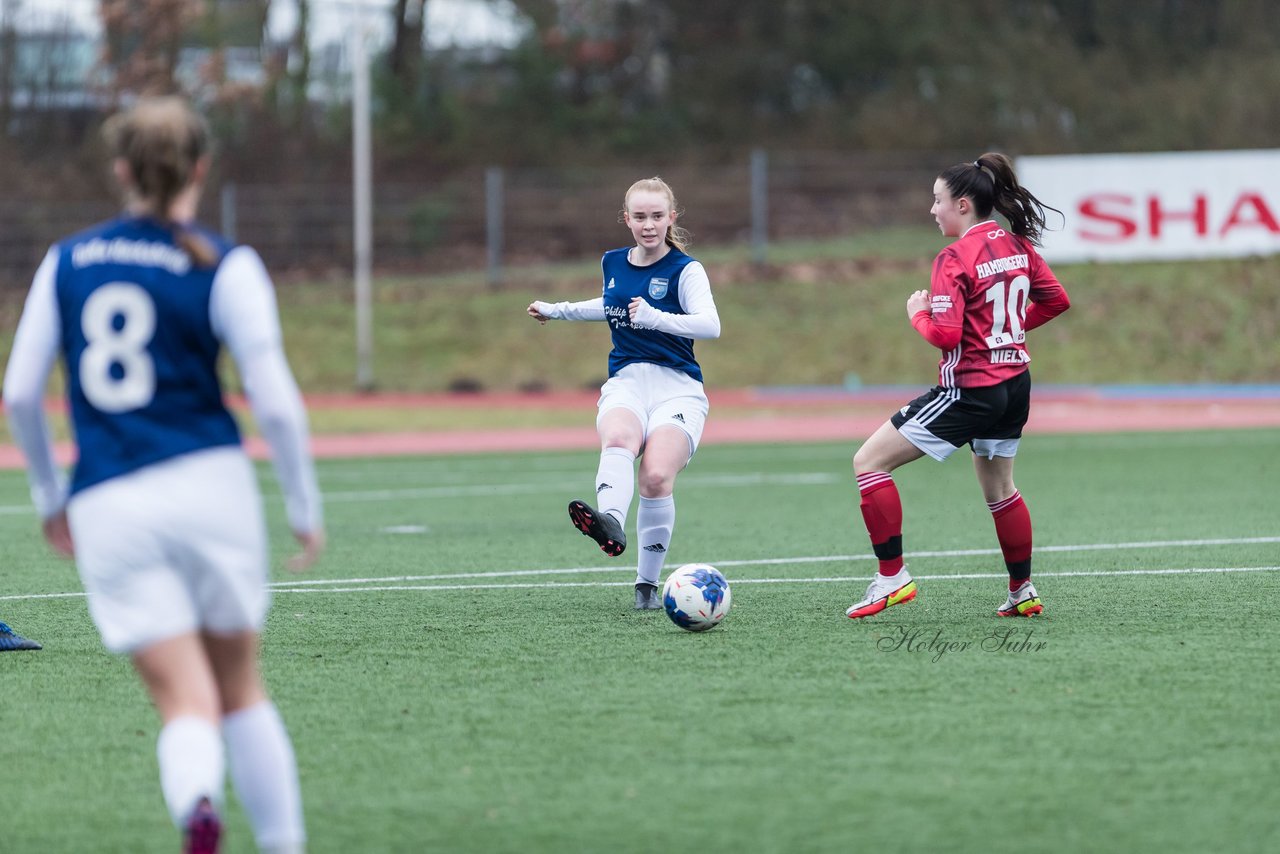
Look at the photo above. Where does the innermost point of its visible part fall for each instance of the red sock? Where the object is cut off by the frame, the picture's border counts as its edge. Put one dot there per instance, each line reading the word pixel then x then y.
pixel 1013 529
pixel 882 511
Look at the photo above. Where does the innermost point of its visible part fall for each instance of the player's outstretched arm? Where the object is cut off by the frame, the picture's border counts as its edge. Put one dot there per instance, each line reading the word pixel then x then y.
pixel 591 309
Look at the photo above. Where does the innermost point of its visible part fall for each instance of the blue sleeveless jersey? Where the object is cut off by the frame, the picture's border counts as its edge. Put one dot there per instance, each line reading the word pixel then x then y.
pixel 659 284
pixel 139 349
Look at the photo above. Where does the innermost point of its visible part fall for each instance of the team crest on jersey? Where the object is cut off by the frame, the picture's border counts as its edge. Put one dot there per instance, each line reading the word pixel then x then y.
pixel 658 288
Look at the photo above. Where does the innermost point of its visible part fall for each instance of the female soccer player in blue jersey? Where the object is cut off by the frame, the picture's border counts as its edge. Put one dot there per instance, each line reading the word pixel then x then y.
pixel 656 300
pixel 163 513
pixel 988 289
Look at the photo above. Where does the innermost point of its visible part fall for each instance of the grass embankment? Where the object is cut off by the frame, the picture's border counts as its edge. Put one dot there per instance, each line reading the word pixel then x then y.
pixel 815 314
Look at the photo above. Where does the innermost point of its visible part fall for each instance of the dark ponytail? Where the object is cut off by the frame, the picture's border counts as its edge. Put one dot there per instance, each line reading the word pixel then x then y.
pixel 990 183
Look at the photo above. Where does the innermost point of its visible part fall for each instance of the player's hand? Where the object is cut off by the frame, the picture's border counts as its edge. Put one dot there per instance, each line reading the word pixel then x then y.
pixel 917 302
pixel 643 315
pixel 58 534
pixel 312 545
pixel 538 311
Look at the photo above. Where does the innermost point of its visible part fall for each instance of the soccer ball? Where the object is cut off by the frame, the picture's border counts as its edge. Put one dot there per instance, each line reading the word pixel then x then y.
pixel 696 597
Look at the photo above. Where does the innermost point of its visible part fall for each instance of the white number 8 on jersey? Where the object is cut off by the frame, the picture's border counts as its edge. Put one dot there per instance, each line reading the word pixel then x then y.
pixel 123 348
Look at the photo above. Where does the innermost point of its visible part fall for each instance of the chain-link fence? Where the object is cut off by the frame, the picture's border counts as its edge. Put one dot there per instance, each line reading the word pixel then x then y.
pixel 477 218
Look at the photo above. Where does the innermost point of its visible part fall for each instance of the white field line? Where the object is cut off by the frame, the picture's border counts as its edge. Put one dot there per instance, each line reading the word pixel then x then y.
pixel 26 596
pixel 433 468
pixel 841 579
pixel 577 570
pixel 835 579
pixel 372 585
pixel 726 480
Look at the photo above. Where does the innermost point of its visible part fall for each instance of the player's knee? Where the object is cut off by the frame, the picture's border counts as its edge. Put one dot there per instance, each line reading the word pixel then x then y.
pixel 620 428
pixel 237 695
pixel 619 439
pixel 864 461
pixel 655 484
pixel 995 493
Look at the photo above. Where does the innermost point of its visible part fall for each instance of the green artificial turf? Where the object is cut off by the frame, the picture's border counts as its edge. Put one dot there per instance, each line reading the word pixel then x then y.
pixel 464 672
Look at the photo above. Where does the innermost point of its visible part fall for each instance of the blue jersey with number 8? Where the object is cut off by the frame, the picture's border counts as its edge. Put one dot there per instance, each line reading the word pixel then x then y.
pixel 139 347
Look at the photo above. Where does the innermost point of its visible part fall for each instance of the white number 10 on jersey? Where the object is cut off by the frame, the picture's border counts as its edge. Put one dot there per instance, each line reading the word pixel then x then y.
pixel 117 373
pixel 1010 310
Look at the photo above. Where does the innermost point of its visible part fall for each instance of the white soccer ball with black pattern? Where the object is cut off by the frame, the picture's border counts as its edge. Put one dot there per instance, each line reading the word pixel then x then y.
pixel 696 597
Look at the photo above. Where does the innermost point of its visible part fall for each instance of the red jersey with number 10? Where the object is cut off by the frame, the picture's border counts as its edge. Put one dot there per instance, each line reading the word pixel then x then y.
pixel 993 286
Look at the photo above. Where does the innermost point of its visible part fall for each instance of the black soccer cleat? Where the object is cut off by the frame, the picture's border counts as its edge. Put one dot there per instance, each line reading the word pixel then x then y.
pixel 601 527
pixel 11 640
pixel 647 597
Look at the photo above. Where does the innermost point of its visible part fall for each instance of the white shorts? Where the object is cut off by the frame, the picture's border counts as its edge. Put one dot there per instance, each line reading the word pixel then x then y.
pixel 658 396
pixel 172 548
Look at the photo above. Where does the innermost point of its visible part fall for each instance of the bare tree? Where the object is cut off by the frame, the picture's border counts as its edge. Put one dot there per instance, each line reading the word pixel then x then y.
pixel 406 49
pixel 8 64
pixel 298 72
pixel 142 41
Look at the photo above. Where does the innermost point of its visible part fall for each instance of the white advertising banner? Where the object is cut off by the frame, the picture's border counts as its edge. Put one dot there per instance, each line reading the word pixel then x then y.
pixel 1132 207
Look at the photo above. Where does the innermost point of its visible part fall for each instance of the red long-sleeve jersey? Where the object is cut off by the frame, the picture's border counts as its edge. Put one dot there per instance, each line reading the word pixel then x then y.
pixel 988 289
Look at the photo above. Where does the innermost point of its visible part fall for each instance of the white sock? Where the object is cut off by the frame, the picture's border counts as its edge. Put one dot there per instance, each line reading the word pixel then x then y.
pixel 192 765
pixel 655 520
pixel 265 775
pixel 616 483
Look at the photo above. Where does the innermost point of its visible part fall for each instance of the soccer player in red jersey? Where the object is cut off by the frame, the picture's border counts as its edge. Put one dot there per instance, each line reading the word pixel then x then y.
pixel 988 289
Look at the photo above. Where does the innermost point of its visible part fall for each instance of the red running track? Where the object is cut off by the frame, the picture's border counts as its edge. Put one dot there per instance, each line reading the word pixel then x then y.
pixel 841 419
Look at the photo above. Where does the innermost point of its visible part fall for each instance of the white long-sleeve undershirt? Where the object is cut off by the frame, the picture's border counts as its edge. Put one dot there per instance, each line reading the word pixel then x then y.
pixel 700 320
pixel 35 349
pixel 587 309
pixel 242 311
